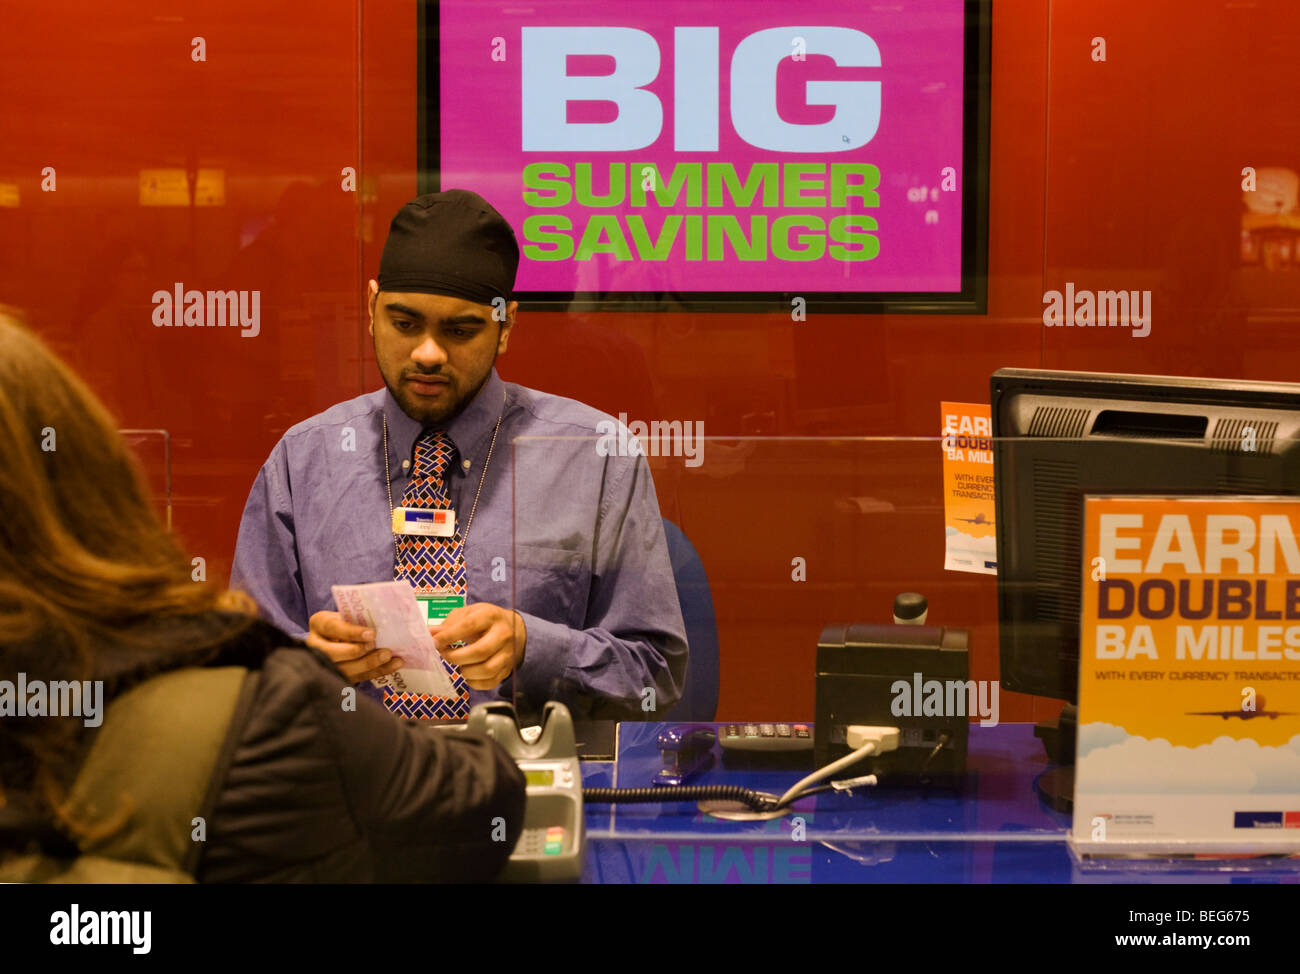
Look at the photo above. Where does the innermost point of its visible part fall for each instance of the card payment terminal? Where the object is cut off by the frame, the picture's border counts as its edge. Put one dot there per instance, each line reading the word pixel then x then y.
pixel 551 847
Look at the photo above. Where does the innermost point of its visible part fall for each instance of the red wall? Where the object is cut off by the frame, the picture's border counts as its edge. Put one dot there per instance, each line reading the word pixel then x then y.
pixel 1117 174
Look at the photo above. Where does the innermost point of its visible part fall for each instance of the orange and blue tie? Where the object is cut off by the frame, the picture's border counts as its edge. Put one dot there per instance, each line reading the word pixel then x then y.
pixel 431 564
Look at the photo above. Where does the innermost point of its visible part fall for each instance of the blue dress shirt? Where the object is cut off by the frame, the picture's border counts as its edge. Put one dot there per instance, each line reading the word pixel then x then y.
pixel 578 534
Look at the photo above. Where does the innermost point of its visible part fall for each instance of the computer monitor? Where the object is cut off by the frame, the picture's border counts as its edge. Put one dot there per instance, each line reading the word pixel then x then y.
pixel 1061 435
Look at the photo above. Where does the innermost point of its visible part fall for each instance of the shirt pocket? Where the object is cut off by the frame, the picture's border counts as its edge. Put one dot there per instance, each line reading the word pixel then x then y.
pixel 552 584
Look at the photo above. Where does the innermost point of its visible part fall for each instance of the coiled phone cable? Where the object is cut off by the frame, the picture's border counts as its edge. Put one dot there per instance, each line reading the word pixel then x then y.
pixel 865 742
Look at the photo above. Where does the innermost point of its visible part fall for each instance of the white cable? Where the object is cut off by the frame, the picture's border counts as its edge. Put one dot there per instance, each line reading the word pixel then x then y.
pixel 821 774
pixel 848 784
pixel 877 740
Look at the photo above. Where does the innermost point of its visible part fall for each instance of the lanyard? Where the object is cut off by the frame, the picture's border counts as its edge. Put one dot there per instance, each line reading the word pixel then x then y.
pixel 388 479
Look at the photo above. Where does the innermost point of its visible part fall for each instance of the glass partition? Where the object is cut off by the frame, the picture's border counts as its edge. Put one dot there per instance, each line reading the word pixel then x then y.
pixel 153 449
pixel 789 556
pixel 192 216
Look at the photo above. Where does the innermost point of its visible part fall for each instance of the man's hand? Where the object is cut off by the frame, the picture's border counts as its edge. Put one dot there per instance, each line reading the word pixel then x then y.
pixel 352 648
pixel 494 638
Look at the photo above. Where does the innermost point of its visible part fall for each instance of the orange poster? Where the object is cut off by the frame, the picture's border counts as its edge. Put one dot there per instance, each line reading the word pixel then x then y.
pixel 970 541
pixel 1189 678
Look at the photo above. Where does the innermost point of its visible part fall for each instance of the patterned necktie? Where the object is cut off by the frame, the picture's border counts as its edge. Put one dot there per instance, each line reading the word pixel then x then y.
pixel 431 564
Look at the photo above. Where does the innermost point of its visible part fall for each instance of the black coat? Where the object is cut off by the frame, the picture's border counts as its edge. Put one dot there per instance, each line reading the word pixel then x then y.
pixel 318 793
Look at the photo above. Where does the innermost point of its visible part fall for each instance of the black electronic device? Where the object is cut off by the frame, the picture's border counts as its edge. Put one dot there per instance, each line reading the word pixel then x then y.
pixel 889 675
pixel 766 745
pixel 766 737
pixel 1061 435
pixel 597 739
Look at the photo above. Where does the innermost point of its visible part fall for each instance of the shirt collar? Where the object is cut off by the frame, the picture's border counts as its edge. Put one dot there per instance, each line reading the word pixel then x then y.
pixel 468 432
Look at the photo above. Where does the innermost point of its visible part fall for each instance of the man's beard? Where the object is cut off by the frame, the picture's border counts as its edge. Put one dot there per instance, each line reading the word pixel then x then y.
pixel 430 413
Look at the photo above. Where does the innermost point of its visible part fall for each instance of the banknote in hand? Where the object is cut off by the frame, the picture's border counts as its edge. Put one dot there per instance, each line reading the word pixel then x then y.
pixel 391 610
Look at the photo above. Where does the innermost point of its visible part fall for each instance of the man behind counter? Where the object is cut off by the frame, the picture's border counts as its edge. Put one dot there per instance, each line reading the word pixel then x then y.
pixel 594 619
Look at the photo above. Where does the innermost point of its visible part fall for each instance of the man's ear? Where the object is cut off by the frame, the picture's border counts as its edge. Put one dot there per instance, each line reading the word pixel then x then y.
pixel 503 338
pixel 373 292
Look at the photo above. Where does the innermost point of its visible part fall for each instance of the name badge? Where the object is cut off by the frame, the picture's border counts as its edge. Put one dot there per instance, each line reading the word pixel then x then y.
pixel 423 520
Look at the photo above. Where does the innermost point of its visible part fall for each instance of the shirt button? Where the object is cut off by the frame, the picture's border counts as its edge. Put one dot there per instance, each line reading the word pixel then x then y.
pixel 465 464
pixel 406 464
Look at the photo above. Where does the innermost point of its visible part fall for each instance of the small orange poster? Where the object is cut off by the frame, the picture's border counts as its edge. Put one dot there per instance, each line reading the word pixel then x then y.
pixel 1189 676
pixel 970 540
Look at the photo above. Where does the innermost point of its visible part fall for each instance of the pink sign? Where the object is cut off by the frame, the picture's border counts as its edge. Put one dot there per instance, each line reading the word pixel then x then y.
pixel 726 146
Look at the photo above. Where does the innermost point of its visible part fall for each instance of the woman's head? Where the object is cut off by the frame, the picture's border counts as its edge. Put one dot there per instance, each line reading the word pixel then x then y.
pixel 84 558
pixel 79 536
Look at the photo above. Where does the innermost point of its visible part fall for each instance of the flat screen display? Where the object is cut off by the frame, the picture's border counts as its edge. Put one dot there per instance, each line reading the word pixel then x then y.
pixel 719 156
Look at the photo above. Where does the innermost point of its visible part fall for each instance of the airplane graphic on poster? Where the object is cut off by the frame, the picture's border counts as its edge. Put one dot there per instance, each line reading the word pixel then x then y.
pixel 1244 714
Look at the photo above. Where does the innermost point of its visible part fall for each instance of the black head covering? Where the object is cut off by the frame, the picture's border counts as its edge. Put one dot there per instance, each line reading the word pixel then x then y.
pixel 453 243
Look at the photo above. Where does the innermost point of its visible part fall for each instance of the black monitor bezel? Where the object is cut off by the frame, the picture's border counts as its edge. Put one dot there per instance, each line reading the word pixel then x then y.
pixel 971 299
pixel 1184 390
